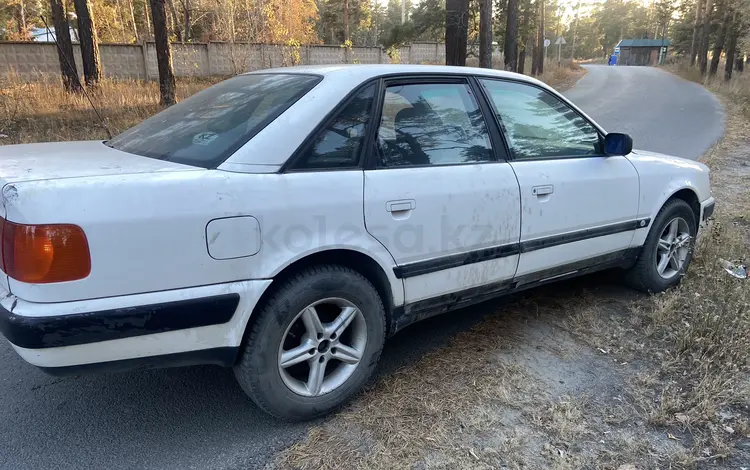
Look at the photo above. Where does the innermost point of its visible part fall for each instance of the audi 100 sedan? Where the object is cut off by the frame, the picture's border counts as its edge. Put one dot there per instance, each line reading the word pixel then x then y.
pixel 286 222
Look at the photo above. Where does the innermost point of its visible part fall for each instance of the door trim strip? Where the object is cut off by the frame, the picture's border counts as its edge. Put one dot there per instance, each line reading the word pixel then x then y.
pixel 453 261
pixel 419 268
pixel 413 312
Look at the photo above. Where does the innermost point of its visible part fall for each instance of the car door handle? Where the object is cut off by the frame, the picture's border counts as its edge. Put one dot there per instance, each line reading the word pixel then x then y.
pixel 401 205
pixel 545 190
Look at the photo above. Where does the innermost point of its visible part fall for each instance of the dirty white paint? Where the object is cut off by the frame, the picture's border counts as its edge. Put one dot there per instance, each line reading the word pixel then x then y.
pixel 456 209
pixel 584 193
pixel 160 231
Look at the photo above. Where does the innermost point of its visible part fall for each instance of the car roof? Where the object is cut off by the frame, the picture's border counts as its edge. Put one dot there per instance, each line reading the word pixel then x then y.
pixel 363 72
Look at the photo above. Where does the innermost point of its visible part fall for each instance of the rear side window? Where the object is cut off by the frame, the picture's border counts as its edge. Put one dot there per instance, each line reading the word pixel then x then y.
pixel 205 129
pixel 340 143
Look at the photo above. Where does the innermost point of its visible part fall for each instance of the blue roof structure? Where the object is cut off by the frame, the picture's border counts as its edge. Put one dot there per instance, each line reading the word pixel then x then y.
pixel 644 43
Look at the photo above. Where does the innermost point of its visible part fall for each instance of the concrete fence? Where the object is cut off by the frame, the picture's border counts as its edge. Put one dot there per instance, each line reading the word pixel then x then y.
pixel 32 60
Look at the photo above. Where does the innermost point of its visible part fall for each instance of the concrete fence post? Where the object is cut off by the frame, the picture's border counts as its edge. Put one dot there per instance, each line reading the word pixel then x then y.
pixel 144 56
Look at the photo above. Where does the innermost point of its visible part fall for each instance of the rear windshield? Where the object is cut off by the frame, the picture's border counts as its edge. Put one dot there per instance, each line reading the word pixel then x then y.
pixel 205 129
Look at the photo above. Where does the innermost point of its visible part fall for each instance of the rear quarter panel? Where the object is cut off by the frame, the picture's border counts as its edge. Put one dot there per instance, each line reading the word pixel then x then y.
pixel 147 232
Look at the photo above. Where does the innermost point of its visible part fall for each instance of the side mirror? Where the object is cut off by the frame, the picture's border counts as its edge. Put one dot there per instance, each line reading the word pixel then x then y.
pixel 617 145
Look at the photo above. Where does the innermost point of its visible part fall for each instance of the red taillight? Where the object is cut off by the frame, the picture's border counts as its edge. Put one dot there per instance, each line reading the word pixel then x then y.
pixel 42 254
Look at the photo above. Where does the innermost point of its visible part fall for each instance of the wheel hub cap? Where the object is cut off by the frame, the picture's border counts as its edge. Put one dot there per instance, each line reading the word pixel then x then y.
pixel 673 248
pixel 322 347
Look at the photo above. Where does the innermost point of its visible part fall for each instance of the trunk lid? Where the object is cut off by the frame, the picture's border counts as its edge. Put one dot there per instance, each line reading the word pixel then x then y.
pixel 55 160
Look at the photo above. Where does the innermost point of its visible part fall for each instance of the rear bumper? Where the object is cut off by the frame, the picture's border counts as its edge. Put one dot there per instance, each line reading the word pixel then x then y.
pixel 202 325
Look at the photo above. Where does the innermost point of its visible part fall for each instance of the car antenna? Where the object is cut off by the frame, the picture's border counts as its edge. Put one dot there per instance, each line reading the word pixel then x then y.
pixel 71 67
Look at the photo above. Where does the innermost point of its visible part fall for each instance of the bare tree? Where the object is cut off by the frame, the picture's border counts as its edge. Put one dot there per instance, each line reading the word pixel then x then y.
pixel 175 20
pixel 485 33
pixel 697 28
pixel 132 20
pixel 456 31
pixel 163 52
pixel 148 20
pixel 65 48
pixel 511 37
pixel 705 32
pixel 92 66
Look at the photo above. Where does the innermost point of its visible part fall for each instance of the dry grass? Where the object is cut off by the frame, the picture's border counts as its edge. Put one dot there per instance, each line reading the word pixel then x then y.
pixel 42 112
pixel 422 412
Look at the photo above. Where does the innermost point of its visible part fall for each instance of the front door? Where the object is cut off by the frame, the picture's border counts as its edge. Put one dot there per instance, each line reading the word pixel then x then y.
pixel 438 197
pixel 578 206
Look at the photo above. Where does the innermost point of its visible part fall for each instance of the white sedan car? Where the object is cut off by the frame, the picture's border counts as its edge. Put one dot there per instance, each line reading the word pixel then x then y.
pixel 286 222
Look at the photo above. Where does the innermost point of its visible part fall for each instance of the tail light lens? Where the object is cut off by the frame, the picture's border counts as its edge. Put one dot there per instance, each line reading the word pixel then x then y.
pixel 42 254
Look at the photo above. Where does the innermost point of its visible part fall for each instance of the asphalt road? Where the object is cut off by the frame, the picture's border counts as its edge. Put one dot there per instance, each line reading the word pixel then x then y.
pixel 199 418
pixel 662 112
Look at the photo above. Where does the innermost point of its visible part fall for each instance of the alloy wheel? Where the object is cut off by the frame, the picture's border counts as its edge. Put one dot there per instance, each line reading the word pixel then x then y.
pixel 322 347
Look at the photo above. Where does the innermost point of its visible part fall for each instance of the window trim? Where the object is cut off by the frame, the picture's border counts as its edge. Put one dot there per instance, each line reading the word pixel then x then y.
pixel 290 165
pixel 498 152
pixel 498 120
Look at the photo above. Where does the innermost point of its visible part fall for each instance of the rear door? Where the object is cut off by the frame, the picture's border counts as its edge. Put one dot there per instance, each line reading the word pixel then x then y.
pixel 438 194
pixel 579 207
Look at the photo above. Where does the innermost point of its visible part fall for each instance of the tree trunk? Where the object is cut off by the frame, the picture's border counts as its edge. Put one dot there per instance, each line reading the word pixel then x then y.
pixel 697 24
pixel 527 40
pixel 65 48
pixel 23 30
pixel 511 37
pixel 731 49
pixel 540 41
pixel 485 33
pixel 175 21
pixel 186 33
pixel 346 21
pixel 92 66
pixel 163 52
pixel 705 31
pixel 148 20
pixel 456 31
pixel 575 32
pixel 739 62
pixel 132 19
pixel 720 41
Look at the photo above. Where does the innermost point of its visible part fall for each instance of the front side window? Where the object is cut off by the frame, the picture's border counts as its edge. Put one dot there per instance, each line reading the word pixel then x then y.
pixel 431 124
pixel 205 129
pixel 340 143
pixel 539 125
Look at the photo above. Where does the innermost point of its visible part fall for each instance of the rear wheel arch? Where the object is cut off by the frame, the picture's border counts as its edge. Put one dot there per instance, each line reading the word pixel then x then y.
pixel 352 259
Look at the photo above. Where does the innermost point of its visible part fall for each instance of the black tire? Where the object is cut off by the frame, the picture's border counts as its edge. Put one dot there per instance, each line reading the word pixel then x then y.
pixel 644 275
pixel 257 370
